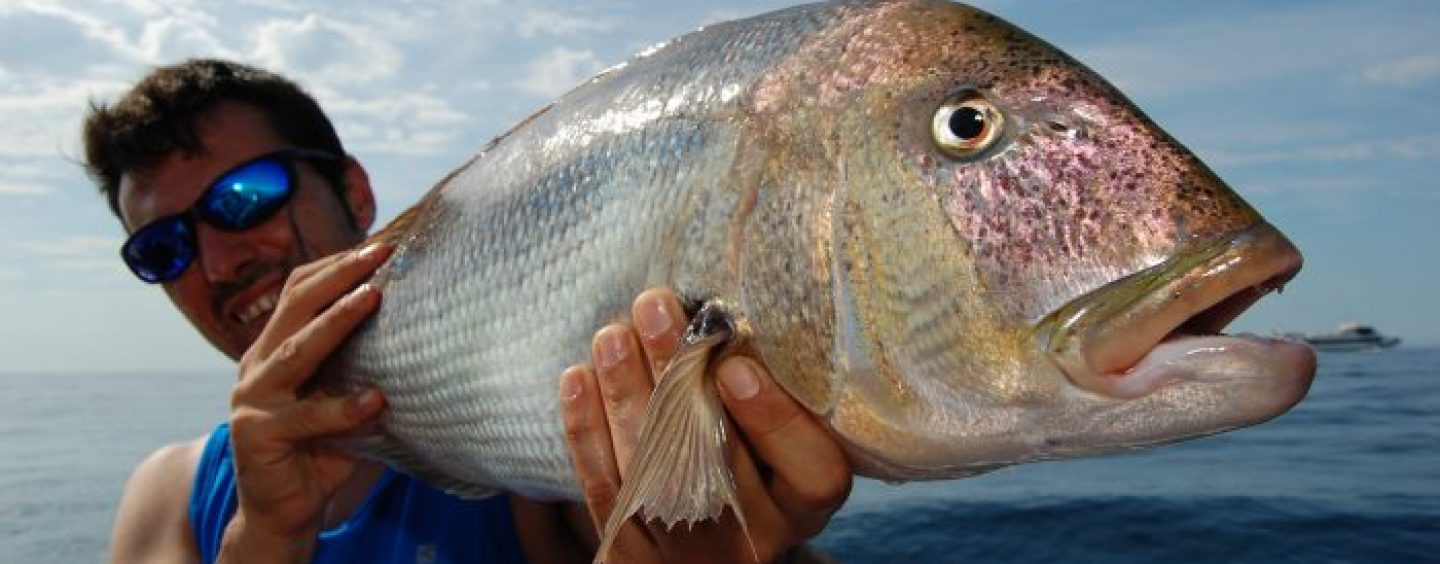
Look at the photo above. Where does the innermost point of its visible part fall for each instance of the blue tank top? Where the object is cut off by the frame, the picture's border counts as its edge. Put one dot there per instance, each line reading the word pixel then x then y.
pixel 401 519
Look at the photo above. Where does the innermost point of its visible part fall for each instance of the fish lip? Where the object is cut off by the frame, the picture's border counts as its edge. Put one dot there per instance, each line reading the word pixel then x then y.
pixel 1098 338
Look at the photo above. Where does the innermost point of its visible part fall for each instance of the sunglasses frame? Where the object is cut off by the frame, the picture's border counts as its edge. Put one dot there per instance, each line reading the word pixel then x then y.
pixel 182 224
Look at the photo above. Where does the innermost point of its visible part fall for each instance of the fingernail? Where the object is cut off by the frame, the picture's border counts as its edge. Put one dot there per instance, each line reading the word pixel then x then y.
pixel 361 292
pixel 739 379
pixel 371 250
pixel 571 384
pixel 611 346
pixel 654 317
pixel 368 400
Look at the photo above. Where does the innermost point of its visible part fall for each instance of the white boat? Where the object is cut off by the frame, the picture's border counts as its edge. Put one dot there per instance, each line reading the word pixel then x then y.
pixel 1351 337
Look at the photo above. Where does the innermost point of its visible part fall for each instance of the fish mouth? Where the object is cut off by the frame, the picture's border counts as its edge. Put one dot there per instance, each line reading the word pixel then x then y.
pixel 1140 333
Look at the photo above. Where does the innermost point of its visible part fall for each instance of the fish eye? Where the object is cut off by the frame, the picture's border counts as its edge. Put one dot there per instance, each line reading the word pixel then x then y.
pixel 966 124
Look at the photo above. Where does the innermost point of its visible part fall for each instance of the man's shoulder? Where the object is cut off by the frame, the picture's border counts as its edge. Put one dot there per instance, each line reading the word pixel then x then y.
pixel 166 473
pixel 170 461
pixel 152 519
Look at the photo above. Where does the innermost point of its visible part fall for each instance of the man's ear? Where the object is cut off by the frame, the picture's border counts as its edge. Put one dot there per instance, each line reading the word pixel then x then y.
pixel 358 195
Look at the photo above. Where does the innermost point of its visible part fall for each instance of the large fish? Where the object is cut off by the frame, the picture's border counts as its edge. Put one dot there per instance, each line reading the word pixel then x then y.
pixel 957 246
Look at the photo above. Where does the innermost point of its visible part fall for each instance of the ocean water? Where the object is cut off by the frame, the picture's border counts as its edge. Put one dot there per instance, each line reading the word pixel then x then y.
pixel 1352 474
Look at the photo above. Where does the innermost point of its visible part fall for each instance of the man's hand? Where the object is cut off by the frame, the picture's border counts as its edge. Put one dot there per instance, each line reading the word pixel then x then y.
pixel 791 479
pixel 284 478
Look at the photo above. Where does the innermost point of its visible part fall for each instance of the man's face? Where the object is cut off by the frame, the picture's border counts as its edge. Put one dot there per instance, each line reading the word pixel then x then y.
pixel 231 288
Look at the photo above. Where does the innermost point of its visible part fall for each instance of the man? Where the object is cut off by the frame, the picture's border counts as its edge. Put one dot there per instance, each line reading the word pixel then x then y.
pixel 241 202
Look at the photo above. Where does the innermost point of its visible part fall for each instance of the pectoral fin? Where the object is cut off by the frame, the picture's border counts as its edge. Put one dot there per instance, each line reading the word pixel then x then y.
pixel 680 471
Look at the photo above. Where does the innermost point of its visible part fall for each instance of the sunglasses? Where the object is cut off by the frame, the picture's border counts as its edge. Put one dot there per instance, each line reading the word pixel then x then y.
pixel 240 199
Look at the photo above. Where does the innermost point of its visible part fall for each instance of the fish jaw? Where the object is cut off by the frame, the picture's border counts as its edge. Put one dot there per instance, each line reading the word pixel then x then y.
pixel 1125 366
pixel 1148 330
pixel 1213 385
pixel 1145 361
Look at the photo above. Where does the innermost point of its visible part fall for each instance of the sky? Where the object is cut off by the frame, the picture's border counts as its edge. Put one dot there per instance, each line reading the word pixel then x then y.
pixel 1320 113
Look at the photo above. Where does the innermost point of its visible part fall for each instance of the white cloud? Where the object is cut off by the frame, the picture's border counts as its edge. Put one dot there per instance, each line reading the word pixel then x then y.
pixel 537 21
pixel 68 248
pixel 177 36
pixel 164 33
pixel 1340 196
pixel 408 123
pixel 1406 72
pixel 89 26
pixel 1275 42
pixel 42 115
pixel 93 266
pixel 28 178
pixel 24 169
pixel 724 15
pixel 42 95
pixel 277 5
pixel 92 257
pixel 329 50
pixel 1417 148
pixel 1311 184
pixel 12 188
pixel 151 8
pixel 557 71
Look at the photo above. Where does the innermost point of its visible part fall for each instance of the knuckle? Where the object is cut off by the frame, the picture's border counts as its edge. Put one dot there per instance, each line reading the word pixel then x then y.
pixel 824 493
pixel 578 428
pixel 801 532
pixel 660 344
pixel 619 388
pixel 248 360
pixel 296 282
pixel 300 274
pixel 288 352
pixel 241 393
pixel 310 412
pixel 243 418
pixel 311 418
pixel 613 392
pixel 356 257
pixel 354 304
pixel 288 292
pixel 776 419
pixel 252 363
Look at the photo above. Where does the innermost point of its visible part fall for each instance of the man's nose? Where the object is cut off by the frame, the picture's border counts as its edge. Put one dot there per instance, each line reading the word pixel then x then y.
pixel 222 254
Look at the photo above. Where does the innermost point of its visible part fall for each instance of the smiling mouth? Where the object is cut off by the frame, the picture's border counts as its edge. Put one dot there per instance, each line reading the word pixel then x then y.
pixel 1178 307
pixel 257 308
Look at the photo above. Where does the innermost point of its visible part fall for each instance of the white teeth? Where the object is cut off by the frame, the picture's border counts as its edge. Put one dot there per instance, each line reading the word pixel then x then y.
pixel 260 307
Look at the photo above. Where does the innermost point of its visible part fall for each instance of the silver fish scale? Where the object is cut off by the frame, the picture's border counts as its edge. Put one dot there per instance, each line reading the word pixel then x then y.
pixel 625 183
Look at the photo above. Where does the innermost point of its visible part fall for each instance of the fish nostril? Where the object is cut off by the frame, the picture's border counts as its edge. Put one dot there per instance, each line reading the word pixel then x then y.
pixel 1054 127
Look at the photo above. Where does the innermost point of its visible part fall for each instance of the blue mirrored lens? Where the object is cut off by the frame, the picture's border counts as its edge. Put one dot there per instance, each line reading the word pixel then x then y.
pixel 246 196
pixel 161 250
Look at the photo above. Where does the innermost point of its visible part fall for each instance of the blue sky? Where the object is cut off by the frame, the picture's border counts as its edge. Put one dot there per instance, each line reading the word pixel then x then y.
pixel 1323 114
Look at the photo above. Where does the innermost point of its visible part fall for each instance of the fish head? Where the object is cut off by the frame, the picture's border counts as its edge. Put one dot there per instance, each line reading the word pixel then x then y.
pixel 1023 265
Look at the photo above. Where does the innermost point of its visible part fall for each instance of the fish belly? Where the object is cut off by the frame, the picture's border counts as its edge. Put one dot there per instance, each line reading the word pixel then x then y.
pixel 496 293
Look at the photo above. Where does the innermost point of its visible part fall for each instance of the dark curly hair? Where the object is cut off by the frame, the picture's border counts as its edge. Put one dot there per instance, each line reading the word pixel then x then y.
pixel 158 116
